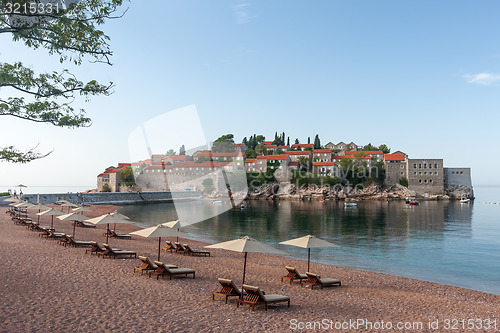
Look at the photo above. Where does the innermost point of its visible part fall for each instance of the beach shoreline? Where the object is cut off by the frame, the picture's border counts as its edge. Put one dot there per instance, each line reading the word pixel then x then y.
pixel 50 287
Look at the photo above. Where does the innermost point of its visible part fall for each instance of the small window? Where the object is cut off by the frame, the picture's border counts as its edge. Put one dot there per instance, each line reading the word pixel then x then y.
pixel 402 166
pixel 430 166
pixel 435 166
pixel 430 180
pixel 461 172
pixel 414 172
pixel 402 172
pixel 425 166
pixel 420 166
pixel 425 172
pixel 435 173
pixel 453 172
pixel 425 181
pixel 420 180
pixel 414 166
pixel 420 172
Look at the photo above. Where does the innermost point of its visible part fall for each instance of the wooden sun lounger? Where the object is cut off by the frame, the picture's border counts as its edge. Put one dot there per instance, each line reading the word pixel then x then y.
pixel 54 235
pixel 170 247
pixel 146 265
pixel 160 270
pixel 179 248
pixel 228 289
pixel 167 270
pixel 114 253
pixel 254 296
pixel 293 274
pixel 314 280
pixel 83 224
pixel 193 252
pixel 120 235
pixel 97 249
pixel 69 240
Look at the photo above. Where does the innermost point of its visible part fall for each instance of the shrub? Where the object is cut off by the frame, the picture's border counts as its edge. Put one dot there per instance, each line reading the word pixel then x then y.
pixel 403 181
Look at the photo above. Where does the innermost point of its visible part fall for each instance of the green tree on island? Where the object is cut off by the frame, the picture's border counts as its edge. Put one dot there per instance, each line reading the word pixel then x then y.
pixel 72 34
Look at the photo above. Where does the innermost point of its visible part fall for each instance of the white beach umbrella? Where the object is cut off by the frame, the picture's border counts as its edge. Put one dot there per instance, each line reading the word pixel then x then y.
pixel 308 242
pixel 160 230
pixel 69 204
pixel 73 217
pixel 81 209
pixel 38 207
pixel 246 244
pixel 114 217
pixel 51 212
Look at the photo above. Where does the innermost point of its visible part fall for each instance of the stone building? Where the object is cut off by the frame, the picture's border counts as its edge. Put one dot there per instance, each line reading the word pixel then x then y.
pixel 110 176
pixel 326 169
pixel 395 168
pixel 258 164
pixel 294 155
pixel 322 155
pixel 426 176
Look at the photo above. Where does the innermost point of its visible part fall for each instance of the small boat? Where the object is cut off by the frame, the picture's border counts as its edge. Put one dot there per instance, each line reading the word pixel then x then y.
pixel 217 202
pixel 350 205
pixel 243 207
pixel 413 203
pixel 465 200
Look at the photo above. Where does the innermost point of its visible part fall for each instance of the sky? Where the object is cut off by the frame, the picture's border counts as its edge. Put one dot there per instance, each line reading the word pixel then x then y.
pixel 422 77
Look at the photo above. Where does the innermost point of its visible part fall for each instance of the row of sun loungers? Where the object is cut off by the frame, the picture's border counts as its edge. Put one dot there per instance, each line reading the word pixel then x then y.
pixel 184 249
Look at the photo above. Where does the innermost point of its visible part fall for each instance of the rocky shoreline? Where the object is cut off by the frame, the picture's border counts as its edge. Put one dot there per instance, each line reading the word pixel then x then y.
pixel 287 191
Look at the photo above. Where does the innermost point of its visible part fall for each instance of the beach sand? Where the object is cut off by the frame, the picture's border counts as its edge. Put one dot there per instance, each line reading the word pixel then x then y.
pixel 46 287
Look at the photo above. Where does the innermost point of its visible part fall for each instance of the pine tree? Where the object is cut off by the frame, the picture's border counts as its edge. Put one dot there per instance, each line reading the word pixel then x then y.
pixel 308 140
pixel 288 141
pixel 297 141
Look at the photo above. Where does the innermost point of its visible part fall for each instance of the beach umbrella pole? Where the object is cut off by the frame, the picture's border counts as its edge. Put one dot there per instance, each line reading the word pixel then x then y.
pixel 52 223
pixel 159 247
pixel 107 233
pixel 244 271
pixel 308 258
pixel 74 226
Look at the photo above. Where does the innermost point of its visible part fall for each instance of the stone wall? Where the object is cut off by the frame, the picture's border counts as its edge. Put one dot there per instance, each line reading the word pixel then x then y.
pixel 116 198
pixel 457 176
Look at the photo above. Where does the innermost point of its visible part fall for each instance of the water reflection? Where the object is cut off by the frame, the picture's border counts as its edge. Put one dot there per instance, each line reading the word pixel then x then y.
pixel 434 241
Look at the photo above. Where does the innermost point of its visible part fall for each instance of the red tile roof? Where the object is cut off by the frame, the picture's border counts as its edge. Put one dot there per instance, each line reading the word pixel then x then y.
pixel 321 151
pixel 177 157
pixel 157 155
pixel 283 147
pixel 270 146
pixel 296 152
pixel 268 142
pixel 303 145
pixel 323 163
pixel 239 144
pixel 394 157
pixel 277 157
pixel 250 160
pixel 261 157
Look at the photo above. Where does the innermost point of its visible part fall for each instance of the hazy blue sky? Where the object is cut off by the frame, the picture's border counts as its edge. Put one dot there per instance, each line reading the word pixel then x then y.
pixel 422 77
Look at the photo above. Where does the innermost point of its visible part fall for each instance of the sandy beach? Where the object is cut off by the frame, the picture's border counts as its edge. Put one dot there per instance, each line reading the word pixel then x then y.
pixel 48 288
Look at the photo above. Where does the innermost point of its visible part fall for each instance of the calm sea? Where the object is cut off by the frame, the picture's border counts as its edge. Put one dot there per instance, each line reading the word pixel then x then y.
pixel 444 242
